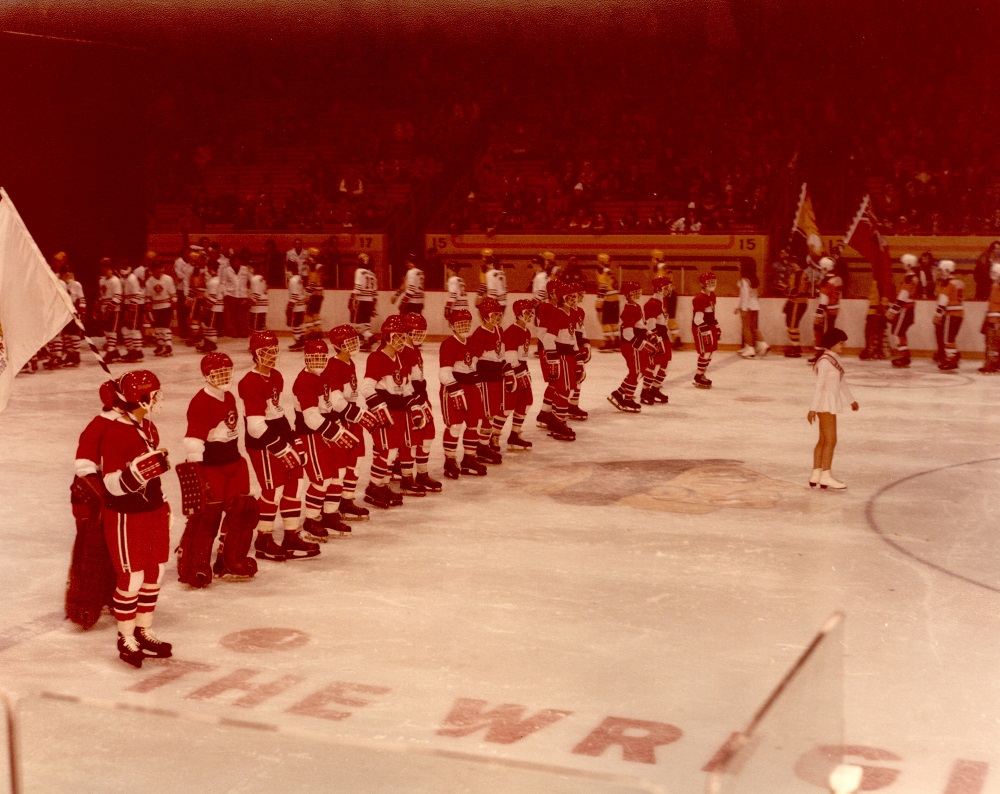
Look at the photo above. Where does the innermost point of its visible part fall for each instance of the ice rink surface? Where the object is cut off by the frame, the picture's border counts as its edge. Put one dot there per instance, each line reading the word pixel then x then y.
pixel 618 605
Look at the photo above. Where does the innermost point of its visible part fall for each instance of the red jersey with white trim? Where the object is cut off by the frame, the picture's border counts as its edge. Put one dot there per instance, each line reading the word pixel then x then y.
pixel 487 348
pixel 311 393
pixel 121 444
pixel 413 362
pixel 342 378
pixel 703 309
pixel 211 436
pixel 88 449
pixel 457 362
pixel 631 319
pixel 829 293
pixel 385 380
pixel 516 343
pixel 261 395
pixel 950 293
pixel 558 332
pixel 654 315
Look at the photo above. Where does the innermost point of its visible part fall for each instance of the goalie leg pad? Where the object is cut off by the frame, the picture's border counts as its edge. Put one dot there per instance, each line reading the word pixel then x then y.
pixel 194 554
pixel 241 520
pixel 92 576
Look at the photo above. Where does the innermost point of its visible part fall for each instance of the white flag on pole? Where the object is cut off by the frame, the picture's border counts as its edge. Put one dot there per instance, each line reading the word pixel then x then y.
pixel 34 306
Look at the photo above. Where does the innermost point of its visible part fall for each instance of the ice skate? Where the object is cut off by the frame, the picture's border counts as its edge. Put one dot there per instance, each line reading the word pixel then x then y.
pixel 989 369
pixel 350 511
pixel 545 419
pixel 826 481
pixel 333 522
pixel 314 529
pixel 678 344
pixel 110 355
pixel 472 466
pixel 948 364
pixel 814 478
pixel 451 469
pixel 562 432
pixel 622 403
pixel 902 362
pixel 151 646
pixel 133 355
pixel 266 549
pixel 430 485
pixel 486 454
pixel 702 382
pixel 410 487
pixel 761 349
pixel 206 346
pixel 577 414
pixel 659 397
pixel 297 548
pixel 747 352
pixel 378 496
pixel 516 442
pixel 646 397
pixel 793 351
pixel 129 650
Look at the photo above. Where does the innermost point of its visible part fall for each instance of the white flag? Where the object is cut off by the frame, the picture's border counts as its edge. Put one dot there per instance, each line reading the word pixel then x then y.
pixel 34 306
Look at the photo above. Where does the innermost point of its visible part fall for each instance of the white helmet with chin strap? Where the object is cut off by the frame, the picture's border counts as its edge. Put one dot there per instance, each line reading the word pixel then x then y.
pixel 946 266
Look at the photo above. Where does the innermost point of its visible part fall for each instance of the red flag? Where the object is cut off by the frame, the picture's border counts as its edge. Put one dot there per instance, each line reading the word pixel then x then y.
pixel 865 237
pixel 805 244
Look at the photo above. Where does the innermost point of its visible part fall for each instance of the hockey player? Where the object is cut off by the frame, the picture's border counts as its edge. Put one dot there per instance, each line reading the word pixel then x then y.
pixel 133 309
pixel 517 376
pixel 950 314
pixel 543 312
pixel 485 265
pixel 704 327
pixel 607 305
pixel 269 444
pixel 212 450
pixel 795 287
pixel 655 345
pixel 461 402
pixel 875 323
pixel 197 282
pixel 71 334
pixel 313 285
pixel 540 281
pixel 259 303
pixel 662 269
pixel 92 579
pixel 583 354
pixel 420 438
pixel 496 285
pixel 901 313
pixel 411 292
pixel 991 324
pixel 825 319
pixel 362 301
pixel 161 301
pixel 633 332
pixel 136 517
pixel 457 297
pixel 388 394
pixel 295 310
pixel 322 440
pixel 213 310
pixel 342 380
pixel 486 348
pixel 557 333
pixel 109 304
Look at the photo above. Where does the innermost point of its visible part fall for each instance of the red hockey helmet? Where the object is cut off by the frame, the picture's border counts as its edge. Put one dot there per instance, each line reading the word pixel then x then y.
pixel 488 306
pixel 631 288
pixel 316 353
pixel 140 388
pixel 523 306
pixel 660 283
pixel 705 278
pixel 341 336
pixel 264 348
pixel 108 395
pixel 218 369
pixel 414 321
pixel 393 325
pixel 561 289
pixel 460 316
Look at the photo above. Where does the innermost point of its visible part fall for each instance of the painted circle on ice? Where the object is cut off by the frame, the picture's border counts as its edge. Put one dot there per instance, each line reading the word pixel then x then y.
pixel 264 640
pixel 942 518
pixel 890 378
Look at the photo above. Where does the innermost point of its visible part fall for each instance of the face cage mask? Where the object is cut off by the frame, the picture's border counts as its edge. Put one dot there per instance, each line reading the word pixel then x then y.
pixel 153 401
pixel 418 336
pixel 462 328
pixel 316 362
pixel 267 357
pixel 352 346
pixel 220 378
pixel 397 341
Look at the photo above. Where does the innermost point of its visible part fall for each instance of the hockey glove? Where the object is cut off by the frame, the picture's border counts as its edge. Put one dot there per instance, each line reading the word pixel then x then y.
pixel 523 377
pixel 144 468
pixel 382 416
pixel 553 370
pixel 194 488
pixel 362 416
pixel 939 315
pixel 509 381
pixel 416 416
pixel 456 398
pixel 285 453
pixel 336 435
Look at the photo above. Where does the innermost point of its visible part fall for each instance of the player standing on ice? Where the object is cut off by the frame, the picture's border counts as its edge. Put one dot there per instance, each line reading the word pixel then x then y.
pixel 461 403
pixel 323 442
pixel 950 314
pixel 411 292
pixel 361 304
pixel 457 296
pixel 517 377
pixel 583 354
pixel 705 327
pixel 633 332
pixel 991 324
pixel 486 348
pixel 269 444
pixel 342 379
pixel 420 437
pixel 557 333
pixel 136 517
pixel 825 319
pixel 109 305
pixel 215 479
pixel 656 345
pixel 607 305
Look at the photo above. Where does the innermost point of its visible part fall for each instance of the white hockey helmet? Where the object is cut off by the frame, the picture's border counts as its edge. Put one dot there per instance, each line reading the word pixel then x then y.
pixel 946 266
pixel 826 264
pixel 909 261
